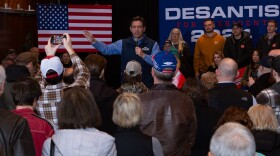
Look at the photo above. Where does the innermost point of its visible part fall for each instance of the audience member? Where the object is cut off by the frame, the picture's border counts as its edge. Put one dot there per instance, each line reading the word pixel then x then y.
pixel 239 46
pixel 209 80
pixel 66 61
pixel 102 93
pixel 15 136
pixel 7 62
pixel 226 94
pixel 217 57
pixel 129 140
pixel 168 114
pixel 232 139
pixel 137 47
pixel 68 75
pixel 78 115
pixel 271 95
pixel 271 40
pixel 251 69
pixel 25 93
pixel 12 54
pixel 25 63
pixel 36 52
pixel 183 52
pixel 236 114
pixel 207 117
pixel 167 45
pixel 13 73
pixel 50 79
pixel 265 129
pixel 203 53
pixel 29 60
pixel 264 79
pixel 179 78
pixel 132 81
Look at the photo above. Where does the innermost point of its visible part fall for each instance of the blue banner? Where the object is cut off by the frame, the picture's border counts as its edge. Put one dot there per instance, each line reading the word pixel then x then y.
pixel 189 16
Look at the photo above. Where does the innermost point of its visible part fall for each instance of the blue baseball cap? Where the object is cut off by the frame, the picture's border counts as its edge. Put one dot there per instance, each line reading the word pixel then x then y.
pixel 165 62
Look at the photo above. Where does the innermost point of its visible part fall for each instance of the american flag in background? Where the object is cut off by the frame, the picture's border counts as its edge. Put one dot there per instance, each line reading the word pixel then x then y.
pixel 73 19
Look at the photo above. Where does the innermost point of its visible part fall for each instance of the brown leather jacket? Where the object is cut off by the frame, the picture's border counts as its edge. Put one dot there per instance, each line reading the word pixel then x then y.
pixel 15 136
pixel 169 115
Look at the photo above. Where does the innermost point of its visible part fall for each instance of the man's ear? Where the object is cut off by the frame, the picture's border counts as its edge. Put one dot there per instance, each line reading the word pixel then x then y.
pixel 2 86
pixel 274 73
pixel 102 74
pixel 210 153
pixel 153 72
pixel 217 72
pixel 29 65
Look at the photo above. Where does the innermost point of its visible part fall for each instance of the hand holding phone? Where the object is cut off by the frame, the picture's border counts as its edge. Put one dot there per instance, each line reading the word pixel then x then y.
pixel 57 39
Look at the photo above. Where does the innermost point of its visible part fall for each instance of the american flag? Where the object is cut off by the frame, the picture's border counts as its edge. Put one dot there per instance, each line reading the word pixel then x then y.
pixel 73 19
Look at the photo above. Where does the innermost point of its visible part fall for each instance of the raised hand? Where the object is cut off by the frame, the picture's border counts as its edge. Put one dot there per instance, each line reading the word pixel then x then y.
pixel 89 36
pixel 50 49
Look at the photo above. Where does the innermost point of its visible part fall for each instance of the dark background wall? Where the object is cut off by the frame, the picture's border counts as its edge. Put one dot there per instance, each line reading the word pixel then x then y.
pixel 17 30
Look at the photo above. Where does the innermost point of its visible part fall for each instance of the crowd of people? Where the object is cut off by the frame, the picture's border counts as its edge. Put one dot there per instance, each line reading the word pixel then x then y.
pixel 168 104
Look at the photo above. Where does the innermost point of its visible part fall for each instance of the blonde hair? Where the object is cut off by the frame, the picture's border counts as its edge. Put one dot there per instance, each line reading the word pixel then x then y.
pixel 127 110
pixel 181 40
pixel 209 80
pixel 263 117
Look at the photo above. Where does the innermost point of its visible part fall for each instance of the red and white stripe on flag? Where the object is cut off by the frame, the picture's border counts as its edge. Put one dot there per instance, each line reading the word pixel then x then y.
pixel 52 20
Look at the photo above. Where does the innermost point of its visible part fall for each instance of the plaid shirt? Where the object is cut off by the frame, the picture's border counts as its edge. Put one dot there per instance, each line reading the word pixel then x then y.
pixel 272 98
pixel 52 94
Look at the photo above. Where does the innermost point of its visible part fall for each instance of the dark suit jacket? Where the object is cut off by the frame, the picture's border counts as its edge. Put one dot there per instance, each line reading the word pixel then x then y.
pixel 104 97
pixel 207 119
pixel 225 95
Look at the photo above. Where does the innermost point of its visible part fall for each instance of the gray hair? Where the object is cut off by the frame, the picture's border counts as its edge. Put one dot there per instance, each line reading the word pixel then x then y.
pixel 232 139
pixel 166 77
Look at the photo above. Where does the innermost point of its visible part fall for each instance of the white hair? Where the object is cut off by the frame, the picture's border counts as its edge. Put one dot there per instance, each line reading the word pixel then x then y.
pixel 232 139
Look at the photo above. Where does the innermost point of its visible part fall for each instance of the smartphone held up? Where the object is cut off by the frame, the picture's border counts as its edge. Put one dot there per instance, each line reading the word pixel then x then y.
pixel 57 39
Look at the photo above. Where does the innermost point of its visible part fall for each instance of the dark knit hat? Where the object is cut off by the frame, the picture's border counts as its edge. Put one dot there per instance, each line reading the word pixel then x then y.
pixel 15 72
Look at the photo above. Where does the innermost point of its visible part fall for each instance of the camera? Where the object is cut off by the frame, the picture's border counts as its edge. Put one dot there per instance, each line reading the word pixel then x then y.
pixel 254 74
pixel 57 39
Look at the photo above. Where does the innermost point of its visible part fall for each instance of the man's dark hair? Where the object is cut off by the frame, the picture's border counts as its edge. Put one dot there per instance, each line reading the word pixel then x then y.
pixel 55 79
pixel 78 109
pixel 138 18
pixel 209 19
pixel 95 64
pixel 195 90
pixel 68 76
pixel 25 91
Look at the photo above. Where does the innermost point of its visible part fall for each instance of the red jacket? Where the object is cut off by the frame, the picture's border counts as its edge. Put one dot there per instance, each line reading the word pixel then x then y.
pixel 40 128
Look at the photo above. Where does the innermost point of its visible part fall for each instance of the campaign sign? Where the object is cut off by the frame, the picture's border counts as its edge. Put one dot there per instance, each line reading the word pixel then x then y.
pixel 189 16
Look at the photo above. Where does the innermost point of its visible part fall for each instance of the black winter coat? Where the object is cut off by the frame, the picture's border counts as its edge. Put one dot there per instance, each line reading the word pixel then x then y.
pixel 241 52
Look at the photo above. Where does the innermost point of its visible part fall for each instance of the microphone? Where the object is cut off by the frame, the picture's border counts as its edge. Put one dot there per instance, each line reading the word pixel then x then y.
pixel 136 42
